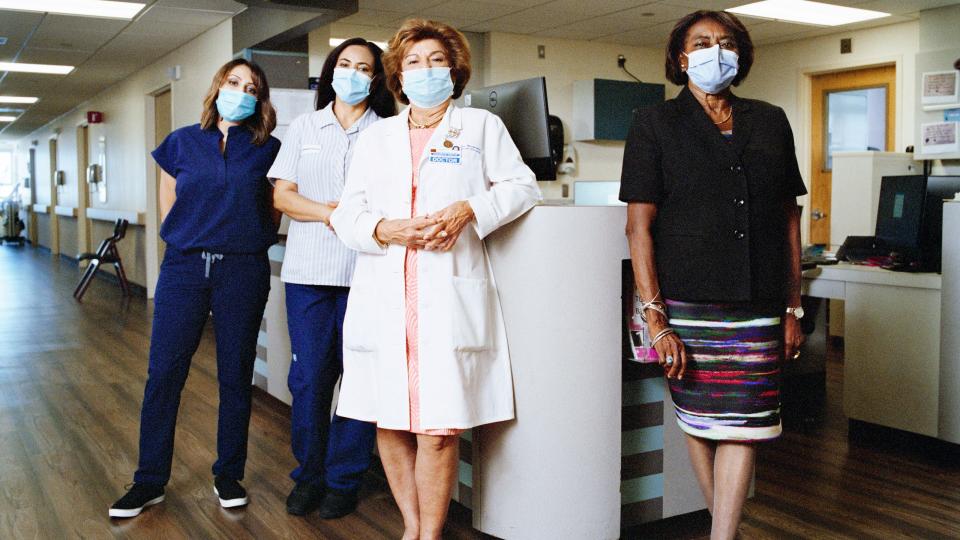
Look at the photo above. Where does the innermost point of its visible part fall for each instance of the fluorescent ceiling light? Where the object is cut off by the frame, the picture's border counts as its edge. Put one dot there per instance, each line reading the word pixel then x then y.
pixel 337 41
pixel 17 99
pixel 805 12
pixel 7 118
pixel 90 8
pixel 35 68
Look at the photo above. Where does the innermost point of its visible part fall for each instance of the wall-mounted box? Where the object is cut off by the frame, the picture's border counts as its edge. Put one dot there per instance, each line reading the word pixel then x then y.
pixel 603 109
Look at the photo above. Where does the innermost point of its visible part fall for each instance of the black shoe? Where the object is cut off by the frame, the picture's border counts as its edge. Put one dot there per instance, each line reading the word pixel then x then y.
pixel 137 498
pixel 230 492
pixel 304 499
pixel 336 505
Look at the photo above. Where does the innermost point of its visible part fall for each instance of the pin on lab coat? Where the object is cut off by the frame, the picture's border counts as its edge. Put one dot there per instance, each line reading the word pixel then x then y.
pixel 464 362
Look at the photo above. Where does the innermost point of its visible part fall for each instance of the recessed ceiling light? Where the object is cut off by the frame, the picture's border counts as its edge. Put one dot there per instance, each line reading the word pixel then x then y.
pixel 35 68
pixel 806 12
pixel 107 9
pixel 17 99
pixel 7 118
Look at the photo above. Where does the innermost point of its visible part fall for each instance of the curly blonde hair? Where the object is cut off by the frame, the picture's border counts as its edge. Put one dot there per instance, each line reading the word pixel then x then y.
pixel 412 31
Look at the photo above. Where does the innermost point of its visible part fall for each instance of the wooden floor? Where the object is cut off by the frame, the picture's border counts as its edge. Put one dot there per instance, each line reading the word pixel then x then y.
pixel 71 382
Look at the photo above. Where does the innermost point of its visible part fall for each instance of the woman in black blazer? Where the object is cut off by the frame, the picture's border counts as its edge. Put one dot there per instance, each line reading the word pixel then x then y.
pixel 711 182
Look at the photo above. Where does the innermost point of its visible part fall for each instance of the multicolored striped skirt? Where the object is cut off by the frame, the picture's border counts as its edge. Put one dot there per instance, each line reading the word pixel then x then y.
pixel 731 388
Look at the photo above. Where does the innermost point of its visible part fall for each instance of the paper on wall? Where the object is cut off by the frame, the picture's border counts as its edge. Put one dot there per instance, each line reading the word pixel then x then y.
pixel 940 87
pixel 939 138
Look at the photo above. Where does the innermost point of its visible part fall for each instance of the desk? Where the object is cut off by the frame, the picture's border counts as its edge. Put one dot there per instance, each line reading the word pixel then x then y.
pixel 891 372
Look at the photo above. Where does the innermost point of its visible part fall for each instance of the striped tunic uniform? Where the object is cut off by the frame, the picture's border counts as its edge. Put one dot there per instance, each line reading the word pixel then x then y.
pixel 315 154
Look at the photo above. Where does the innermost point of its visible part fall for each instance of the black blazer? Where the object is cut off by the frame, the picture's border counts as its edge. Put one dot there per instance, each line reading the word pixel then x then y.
pixel 720 232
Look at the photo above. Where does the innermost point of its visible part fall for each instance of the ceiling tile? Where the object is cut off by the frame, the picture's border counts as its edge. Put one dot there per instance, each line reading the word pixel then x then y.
pixel 72 33
pixel 160 15
pixel 469 10
pixel 373 17
pixel 40 55
pixel 594 8
pixel 528 21
pixel 227 6
pixel 16 26
pixel 399 6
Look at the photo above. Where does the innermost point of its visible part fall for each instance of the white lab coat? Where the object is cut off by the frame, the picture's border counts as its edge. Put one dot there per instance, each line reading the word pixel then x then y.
pixel 464 361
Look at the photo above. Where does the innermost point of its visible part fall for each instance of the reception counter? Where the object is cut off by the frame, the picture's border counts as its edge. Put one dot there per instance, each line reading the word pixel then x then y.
pixel 595 445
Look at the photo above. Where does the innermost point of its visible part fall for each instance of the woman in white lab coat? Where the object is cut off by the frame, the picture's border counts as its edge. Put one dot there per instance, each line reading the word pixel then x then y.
pixel 425 350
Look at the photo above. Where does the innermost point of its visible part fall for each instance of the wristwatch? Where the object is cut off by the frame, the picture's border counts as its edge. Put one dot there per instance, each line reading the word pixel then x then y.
pixel 795 311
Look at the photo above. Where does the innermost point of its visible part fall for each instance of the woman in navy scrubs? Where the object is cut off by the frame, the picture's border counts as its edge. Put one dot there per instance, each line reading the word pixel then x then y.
pixel 317 271
pixel 218 221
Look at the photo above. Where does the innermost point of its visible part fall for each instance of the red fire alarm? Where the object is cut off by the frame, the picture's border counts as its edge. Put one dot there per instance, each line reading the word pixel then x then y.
pixel 94 117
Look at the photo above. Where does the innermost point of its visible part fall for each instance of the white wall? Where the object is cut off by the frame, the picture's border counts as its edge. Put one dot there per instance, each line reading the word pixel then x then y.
pixel 513 57
pixel 938 30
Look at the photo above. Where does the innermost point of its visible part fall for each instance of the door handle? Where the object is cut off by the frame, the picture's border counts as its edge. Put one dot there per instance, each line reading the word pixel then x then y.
pixel 817 215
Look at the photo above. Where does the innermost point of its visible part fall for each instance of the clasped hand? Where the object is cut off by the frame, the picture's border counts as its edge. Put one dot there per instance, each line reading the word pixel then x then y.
pixel 438 231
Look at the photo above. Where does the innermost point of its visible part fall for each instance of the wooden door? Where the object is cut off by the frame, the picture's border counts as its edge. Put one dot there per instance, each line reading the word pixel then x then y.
pixel 54 200
pixel 823 86
pixel 163 125
pixel 32 221
pixel 83 190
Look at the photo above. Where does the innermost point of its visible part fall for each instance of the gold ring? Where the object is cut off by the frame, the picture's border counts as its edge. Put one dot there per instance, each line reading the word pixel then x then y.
pixel 796 355
pixel 442 234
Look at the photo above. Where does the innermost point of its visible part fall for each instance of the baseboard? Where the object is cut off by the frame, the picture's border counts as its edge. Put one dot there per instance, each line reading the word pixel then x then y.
pixel 135 288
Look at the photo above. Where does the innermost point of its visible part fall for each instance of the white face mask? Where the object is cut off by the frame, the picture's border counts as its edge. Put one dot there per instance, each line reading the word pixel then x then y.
pixel 713 69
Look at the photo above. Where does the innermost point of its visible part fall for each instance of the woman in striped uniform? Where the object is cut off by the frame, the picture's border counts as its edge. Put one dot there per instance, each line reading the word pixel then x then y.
pixel 317 271
pixel 711 182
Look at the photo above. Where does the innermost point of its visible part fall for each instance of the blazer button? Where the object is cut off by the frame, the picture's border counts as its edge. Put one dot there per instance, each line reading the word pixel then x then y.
pixel 738 234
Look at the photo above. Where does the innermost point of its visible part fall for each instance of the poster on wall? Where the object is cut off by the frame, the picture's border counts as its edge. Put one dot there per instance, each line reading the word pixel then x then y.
pixel 939 138
pixel 940 88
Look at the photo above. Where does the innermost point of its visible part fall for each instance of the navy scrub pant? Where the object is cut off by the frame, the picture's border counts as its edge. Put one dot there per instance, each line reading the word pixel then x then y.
pixel 191 285
pixel 332 453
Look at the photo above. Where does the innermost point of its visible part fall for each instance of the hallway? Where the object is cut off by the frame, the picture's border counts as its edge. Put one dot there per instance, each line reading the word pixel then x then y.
pixel 71 383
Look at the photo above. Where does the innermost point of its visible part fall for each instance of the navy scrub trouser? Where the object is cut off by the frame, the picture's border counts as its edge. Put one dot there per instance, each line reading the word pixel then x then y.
pixel 337 453
pixel 191 285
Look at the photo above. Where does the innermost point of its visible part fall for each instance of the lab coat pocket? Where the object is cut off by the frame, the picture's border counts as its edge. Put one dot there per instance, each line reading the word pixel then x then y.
pixel 359 320
pixel 471 314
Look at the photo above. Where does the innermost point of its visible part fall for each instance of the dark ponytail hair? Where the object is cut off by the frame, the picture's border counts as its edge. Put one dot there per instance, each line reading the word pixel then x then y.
pixel 380 98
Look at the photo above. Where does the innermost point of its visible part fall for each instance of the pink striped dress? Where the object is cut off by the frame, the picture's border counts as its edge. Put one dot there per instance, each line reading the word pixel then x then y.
pixel 418 141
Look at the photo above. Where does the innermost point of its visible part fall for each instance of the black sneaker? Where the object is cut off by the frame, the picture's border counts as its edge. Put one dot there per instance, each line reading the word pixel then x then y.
pixel 138 497
pixel 230 493
pixel 336 505
pixel 304 499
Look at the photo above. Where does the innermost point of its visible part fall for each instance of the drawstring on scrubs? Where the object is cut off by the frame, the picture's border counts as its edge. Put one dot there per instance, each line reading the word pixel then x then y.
pixel 210 258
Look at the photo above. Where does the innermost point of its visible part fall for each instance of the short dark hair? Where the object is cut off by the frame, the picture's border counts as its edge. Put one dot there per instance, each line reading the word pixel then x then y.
pixel 679 35
pixel 380 99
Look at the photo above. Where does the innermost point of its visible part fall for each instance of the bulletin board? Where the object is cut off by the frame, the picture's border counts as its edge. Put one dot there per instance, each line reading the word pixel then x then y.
pixel 937 133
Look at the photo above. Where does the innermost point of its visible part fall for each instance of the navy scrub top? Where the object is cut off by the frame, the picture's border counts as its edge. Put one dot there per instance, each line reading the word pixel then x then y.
pixel 223 203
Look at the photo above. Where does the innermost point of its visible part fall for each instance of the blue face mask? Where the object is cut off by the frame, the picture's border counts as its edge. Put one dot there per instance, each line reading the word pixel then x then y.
pixel 235 106
pixel 426 88
pixel 713 69
pixel 351 86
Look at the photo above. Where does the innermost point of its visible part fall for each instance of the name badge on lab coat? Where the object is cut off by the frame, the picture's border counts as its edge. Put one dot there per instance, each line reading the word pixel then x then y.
pixel 451 156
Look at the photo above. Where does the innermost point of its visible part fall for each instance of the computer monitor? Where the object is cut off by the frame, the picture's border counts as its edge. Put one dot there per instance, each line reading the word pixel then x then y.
pixel 910 217
pixel 900 214
pixel 938 189
pixel 522 105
